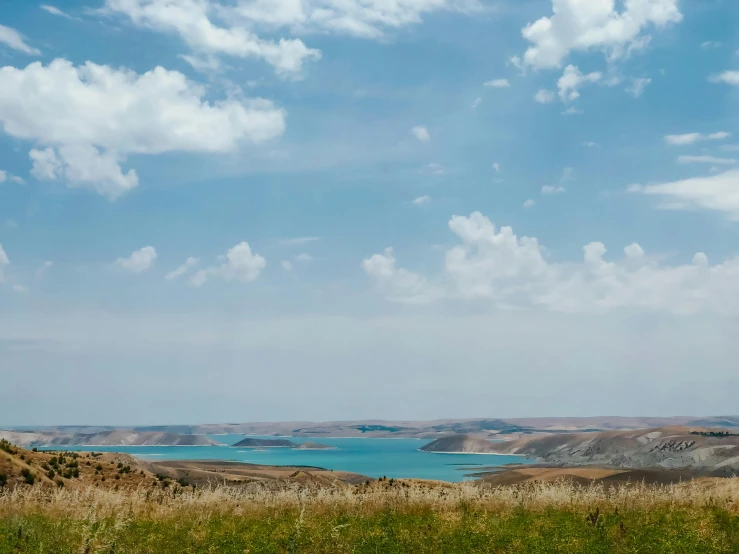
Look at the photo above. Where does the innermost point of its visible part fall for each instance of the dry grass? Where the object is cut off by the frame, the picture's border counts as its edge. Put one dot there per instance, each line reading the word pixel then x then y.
pixel 147 502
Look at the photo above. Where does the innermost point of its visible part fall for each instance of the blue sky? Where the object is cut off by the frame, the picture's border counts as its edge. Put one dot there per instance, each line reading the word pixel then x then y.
pixel 410 209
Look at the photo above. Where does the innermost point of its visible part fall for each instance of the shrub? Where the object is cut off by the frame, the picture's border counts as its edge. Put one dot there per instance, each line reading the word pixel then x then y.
pixel 3 479
pixel 34 449
pixel 28 476
pixel 59 483
pixel 99 467
pixel 50 474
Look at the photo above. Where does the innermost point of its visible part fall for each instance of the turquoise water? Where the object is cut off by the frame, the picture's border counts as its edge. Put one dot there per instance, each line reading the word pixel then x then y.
pixel 399 458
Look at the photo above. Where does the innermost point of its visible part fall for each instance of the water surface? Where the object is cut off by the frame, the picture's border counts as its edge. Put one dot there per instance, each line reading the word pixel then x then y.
pixel 398 458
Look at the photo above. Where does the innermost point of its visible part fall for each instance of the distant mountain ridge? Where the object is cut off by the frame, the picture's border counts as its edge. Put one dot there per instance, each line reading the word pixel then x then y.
pixel 481 427
pixel 105 438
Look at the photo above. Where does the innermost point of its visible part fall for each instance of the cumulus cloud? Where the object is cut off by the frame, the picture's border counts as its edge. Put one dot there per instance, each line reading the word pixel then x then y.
pixel 213 27
pixel 476 102
pixel 13 39
pixel 84 130
pixel 594 25
pixel 544 96
pixel 399 285
pixel 716 192
pixel 572 79
pixel 529 203
pixel 497 83
pixel 181 270
pixel 421 200
pixel 421 133
pixel 692 138
pixel 728 77
pixel 286 265
pixel 303 257
pixel 191 20
pixel 241 264
pixel 139 260
pixel 510 271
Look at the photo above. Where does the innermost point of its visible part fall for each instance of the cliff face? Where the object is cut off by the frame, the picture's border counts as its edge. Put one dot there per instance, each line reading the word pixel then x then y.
pixel 460 444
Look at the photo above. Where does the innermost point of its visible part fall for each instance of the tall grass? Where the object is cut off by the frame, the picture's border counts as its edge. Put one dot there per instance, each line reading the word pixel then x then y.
pixel 219 499
pixel 384 516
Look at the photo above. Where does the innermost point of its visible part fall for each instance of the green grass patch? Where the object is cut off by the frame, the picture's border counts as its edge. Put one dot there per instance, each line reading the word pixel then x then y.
pixel 392 530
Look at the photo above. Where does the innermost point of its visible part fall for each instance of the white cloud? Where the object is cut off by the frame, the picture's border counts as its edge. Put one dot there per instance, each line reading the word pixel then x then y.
pixel 476 102
pixel 692 138
pixel 730 147
pixel 710 44
pixel 497 83
pixel 20 289
pixel 572 110
pixel 544 96
pixel 705 160
pixel 421 133
pixel 551 189
pixel 636 89
pixel 359 18
pixel 181 270
pixel 568 173
pixel 510 271
pixel 718 192
pixel 77 114
pixel 4 263
pixel 212 27
pixel 55 11
pixel 84 166
pixel 728 77
pixel 496 167
pixel 572 79
pixel 13 39
pixel 190 19
pixel 594 25
pixel 529 203
pixel 591 144
pixel 298 240
pixel 139 260
pixel 434 169
pixel 46 266
pixel 241 265
pixel 303 257
pixel 287 266
pixel 421 200
pixel 399 285
pixel 3 176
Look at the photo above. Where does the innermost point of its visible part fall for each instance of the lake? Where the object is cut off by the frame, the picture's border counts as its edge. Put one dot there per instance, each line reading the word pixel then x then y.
pixel 398 458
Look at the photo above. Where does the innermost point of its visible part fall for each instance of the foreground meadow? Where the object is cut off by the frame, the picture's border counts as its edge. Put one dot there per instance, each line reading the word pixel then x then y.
pixel 383 516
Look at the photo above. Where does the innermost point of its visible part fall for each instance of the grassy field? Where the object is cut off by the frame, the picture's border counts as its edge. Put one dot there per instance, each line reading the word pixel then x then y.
pixel 384 516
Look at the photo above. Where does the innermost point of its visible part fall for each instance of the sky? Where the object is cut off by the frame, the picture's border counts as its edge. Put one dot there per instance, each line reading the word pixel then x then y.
pixel 263 210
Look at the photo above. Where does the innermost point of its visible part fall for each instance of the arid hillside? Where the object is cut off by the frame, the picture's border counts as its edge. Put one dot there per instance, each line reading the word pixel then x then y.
pixel 708 451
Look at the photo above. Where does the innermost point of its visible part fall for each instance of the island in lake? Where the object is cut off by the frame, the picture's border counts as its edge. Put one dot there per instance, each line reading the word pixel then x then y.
pixel 280 443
